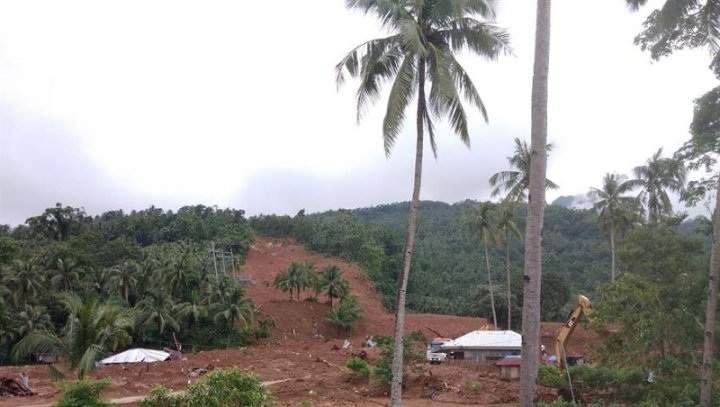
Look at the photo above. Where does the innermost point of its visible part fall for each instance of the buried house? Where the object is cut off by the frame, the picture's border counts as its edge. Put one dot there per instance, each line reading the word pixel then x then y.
pixel 484 345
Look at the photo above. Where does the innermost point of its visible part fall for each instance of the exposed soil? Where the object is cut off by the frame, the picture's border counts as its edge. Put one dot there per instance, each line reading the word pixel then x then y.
pixel 297 367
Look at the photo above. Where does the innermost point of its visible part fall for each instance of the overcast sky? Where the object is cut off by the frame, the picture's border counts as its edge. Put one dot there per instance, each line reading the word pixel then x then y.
pixel 123 105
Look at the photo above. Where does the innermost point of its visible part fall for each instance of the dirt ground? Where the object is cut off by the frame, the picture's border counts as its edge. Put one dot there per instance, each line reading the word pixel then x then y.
pixel 297 367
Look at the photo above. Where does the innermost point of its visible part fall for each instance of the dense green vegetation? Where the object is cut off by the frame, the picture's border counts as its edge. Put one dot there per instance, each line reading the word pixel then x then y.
pixel 84 286
pixel 448 274
pixel 81 291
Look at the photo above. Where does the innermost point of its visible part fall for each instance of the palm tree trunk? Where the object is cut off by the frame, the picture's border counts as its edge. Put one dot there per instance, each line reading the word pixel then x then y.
pixel 711 313
pixel 490 285
pixel 397 362
pixel 612 253
pixel 536 207
pixel 507 275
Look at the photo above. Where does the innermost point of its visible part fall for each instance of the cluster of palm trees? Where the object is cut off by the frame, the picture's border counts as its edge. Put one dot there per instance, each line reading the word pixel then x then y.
pixel 495 224
pixel 619 212
pixel 302 276
pixel 299 277
pixel 82 313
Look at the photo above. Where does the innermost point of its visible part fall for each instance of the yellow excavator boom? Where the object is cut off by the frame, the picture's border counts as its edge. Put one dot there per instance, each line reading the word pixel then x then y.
pixel 583 306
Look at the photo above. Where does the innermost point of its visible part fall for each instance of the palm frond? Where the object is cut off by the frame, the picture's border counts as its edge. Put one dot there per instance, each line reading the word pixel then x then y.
pixel 447 10
pixel 401 94
pixel 37 342
pixel 352 61
pixel 484 39
pixel 411 37
pixel 465 84
pixel 431 131
pixel 635 4
pixel 444 98
pixel 709 17
pixel 390 12
pixel 673 11
pixel 87 363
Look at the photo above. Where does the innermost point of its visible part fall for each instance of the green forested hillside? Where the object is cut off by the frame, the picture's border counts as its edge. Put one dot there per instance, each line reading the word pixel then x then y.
pixel 448 272
pixel 449 263
pixel 82 286
pixel 155 266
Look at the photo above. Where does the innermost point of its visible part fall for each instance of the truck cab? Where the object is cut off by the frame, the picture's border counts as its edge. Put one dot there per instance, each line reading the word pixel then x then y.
pixel 433 355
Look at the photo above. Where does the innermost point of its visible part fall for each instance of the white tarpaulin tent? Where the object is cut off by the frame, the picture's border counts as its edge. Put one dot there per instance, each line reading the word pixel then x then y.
pixel 137 355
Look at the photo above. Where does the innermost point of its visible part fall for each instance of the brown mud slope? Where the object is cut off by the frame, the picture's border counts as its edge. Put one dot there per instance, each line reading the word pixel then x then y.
pixel 295 366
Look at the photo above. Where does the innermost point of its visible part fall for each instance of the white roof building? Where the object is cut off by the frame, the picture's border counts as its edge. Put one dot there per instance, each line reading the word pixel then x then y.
pixel 486 340
pixel 484 345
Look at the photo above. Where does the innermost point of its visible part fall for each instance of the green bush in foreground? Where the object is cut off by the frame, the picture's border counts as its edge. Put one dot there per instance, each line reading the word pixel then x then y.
pixel 160 397
pixel 222 387
pixel 83 393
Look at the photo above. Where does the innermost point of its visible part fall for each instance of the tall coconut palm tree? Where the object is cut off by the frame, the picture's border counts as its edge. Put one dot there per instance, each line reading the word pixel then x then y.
pixel 98 279
pixel 65 275
pixel 92 330
pixel 124 278
pixel 191 311
pixel 517 181
pixel 482 223
pixel 232 308
pixel 613 209
pixel 536 208
pixel 658 176
pixel 294 277
pixel 418 59
pixel 25 280
pixel 332 281
pixel 508 228
pixel 156 311
pixel 33 318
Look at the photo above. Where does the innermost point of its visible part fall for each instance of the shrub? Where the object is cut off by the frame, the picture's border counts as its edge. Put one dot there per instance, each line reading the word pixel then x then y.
pixel 160 397
pixel 602 377
pixel 265 328
pixel 226 387
pixel 383 341
pixel 83 393
pixel 473 386
pixel 344 315
pixel 551 376
pixel 412 358
pixel 359 367
pixel 382 372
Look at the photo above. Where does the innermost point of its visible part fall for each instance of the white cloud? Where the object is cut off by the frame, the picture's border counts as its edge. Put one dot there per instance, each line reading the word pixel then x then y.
pixel 234 103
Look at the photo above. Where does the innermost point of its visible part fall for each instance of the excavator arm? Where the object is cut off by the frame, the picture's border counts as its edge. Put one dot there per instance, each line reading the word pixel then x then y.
pixel 583 306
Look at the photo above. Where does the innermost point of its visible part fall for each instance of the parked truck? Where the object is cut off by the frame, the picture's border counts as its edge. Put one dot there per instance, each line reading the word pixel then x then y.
pixel 433 354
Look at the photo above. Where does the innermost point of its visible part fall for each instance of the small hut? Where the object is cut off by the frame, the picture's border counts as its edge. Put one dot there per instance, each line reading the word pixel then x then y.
pixel 509 367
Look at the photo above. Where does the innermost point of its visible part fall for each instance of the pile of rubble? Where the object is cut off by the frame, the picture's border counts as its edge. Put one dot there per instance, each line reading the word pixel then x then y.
pixel 12 387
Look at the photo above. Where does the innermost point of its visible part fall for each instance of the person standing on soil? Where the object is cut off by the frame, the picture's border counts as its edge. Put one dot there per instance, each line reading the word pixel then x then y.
pixel 25 379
